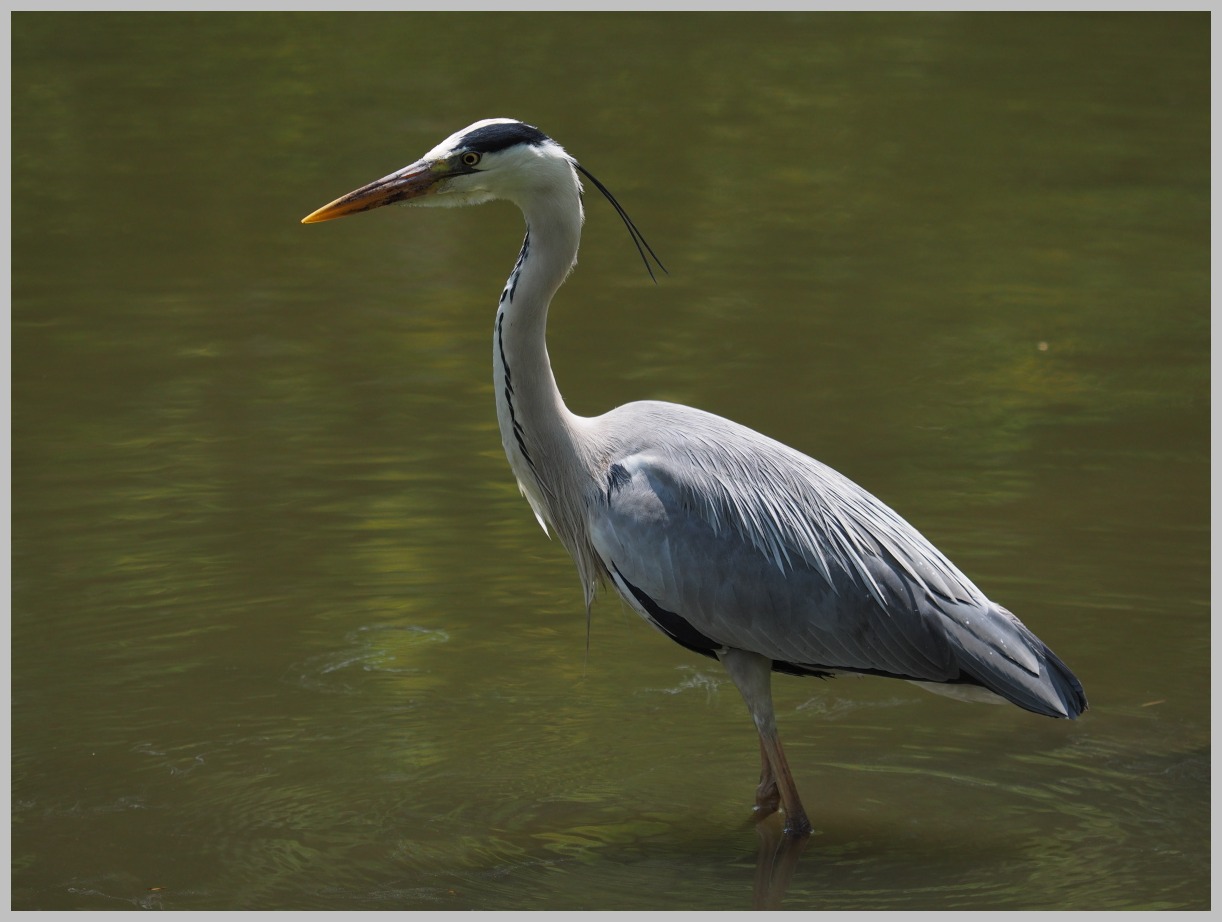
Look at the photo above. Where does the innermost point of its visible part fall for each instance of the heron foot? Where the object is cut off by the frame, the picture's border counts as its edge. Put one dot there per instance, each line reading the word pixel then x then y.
pixel 797 826
pixel 767 799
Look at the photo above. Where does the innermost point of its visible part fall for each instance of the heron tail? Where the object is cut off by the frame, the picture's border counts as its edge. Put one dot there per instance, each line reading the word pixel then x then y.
pixel 1003 655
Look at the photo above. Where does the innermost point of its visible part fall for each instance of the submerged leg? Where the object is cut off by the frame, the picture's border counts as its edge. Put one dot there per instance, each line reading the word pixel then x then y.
pixel 752 674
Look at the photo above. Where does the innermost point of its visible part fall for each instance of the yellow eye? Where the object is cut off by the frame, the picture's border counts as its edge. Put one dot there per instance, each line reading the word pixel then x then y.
pixel 470 158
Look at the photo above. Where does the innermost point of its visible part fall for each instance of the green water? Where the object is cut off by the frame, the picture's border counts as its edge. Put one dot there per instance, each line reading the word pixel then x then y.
pixel 284 635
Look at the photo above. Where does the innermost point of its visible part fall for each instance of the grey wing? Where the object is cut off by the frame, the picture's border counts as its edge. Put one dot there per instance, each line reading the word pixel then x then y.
pixel 751 545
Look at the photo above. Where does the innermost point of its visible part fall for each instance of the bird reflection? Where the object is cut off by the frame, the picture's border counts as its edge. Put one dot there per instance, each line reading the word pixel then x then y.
pixel 775 862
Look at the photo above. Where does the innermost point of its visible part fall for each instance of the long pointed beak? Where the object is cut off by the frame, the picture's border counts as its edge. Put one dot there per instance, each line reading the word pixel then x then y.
pixel 413 181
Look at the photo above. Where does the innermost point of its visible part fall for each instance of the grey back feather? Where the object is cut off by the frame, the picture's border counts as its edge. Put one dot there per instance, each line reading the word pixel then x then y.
pixel 793 509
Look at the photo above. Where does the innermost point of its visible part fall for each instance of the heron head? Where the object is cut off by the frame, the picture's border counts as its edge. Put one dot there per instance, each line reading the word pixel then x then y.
pixel 493 158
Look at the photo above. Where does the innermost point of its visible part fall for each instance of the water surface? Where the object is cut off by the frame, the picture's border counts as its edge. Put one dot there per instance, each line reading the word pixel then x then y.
pixel 285 636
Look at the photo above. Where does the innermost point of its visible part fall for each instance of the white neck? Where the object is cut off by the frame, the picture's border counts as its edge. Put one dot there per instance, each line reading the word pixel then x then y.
pixel 537 430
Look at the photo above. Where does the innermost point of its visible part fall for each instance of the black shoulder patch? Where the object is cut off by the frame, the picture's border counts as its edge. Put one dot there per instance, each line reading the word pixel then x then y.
pixel 492 138
pixel 617 478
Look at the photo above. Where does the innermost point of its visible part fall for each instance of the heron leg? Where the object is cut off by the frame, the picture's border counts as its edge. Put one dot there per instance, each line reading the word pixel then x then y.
pixel 767 797
pixel 752 673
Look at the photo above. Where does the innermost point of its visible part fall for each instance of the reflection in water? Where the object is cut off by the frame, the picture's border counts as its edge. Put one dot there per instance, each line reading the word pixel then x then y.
pixel 285 636
pixel 776 862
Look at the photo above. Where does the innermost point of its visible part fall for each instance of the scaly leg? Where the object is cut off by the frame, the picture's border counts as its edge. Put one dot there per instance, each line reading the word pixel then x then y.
pixel 752 673
pixel 767 798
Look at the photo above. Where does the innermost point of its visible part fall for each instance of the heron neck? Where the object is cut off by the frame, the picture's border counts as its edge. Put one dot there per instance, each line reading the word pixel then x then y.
pixel 536 427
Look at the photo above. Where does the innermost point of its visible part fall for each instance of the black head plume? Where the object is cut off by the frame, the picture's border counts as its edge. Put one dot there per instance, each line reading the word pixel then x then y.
pixel 642 245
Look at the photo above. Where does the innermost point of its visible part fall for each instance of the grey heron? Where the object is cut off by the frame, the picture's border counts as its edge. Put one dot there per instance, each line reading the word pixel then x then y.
pixel 732 544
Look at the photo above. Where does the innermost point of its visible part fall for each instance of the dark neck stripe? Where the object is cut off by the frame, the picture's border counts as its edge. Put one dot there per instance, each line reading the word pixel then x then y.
pixel 511 286
pixel 518 432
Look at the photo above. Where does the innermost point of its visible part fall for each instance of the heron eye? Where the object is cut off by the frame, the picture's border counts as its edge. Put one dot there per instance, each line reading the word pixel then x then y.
pixel 470 158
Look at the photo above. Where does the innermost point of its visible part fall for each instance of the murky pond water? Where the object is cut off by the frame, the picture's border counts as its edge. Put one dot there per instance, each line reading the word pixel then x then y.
pixel 283 633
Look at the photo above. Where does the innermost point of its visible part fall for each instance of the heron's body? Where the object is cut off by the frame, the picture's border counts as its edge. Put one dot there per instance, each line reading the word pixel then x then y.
pixel 734 545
